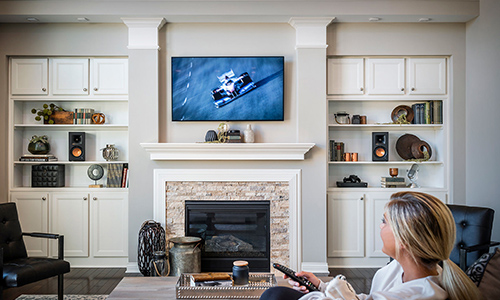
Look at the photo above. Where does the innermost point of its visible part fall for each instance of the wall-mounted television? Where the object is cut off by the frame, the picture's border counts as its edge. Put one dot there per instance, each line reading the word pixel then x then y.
pixel 232 88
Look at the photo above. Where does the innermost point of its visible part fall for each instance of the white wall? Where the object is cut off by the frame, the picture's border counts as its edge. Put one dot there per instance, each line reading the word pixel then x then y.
pixel 482 107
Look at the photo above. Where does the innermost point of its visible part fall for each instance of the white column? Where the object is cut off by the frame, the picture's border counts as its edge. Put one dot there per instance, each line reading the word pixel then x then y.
pixel 143 121
pixel 311 127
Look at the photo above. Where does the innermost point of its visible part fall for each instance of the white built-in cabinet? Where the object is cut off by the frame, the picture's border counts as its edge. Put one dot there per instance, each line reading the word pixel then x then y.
pixel 93 220
pixel 373 87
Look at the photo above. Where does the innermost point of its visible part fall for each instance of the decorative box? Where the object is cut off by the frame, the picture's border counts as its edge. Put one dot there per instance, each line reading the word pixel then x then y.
pixel 47 175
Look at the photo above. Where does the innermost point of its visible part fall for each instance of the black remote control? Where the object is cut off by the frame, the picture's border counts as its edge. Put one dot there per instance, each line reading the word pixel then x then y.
pixel 291 273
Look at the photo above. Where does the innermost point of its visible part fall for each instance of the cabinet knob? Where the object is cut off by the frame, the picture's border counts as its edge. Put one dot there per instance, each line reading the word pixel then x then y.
pixel 95 198
pixel 412 89
pixel 84 89
pixel 96 89
pixel 44 89
pixel 402 89
pixel 361 88
pixel 362 198
pixel 44 198
pixel 84 198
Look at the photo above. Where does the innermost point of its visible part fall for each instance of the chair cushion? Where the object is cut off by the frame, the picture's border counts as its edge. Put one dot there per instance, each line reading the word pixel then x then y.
pixel 22 271
pixel 485 272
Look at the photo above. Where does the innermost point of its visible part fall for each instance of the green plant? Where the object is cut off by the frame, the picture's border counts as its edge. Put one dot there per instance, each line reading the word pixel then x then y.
pixel 45 112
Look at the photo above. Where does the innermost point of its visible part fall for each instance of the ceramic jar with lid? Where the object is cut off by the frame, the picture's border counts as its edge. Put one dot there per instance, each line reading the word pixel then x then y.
pixel 110 152
pixel 240 272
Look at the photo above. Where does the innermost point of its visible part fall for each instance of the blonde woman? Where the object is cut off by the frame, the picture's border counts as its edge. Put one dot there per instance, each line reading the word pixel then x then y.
pixel 418 231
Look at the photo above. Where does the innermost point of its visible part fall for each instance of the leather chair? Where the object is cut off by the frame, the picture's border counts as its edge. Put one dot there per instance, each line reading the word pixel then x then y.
pixel 474 225
pixel 16 267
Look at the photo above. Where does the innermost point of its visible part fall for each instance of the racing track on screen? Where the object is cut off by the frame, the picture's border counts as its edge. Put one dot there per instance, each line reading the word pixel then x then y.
pixel 196 79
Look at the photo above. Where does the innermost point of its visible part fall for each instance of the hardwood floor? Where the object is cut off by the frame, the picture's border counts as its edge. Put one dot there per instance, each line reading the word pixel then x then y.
pixel 88 281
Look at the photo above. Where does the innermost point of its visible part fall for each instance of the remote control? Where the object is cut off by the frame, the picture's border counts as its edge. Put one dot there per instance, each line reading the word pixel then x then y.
pixel 291 273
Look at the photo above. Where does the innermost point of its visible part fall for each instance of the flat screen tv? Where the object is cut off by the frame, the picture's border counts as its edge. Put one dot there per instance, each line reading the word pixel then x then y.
pixel 227 88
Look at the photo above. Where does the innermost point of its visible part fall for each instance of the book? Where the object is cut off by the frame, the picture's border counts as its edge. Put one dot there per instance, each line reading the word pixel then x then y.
pixel 38 157
pixel 124 175
pixel 211 279
pixel 114 177
pixel 438 112
pixel 332 151
pixel 392 179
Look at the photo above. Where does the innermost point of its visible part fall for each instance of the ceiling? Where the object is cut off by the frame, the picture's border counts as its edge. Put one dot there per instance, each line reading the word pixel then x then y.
pixel 111 11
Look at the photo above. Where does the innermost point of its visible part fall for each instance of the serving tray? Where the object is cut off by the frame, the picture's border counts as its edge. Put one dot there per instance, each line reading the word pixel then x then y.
pixel 258 283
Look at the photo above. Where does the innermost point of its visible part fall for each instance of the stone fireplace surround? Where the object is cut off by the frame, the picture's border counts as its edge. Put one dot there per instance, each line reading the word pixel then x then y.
pixel 280 186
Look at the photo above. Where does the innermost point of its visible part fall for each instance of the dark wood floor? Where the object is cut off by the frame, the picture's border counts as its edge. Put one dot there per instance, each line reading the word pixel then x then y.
pixel 100 281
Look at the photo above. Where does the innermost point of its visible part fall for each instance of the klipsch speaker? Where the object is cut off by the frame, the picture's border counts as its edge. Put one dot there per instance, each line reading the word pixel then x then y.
pixel 76 146
pixel 380 146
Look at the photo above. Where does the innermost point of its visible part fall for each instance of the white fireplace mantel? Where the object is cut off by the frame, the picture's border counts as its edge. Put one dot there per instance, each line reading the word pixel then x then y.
pixel 236 151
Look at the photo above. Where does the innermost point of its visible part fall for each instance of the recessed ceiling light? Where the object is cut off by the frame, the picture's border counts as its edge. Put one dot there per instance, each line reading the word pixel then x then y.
pixel 424 19
pixel 31 19
pixel 374 19
pixel 82 19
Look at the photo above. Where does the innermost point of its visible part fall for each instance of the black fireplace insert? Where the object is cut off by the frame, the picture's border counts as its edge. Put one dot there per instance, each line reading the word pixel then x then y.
pixel 231 230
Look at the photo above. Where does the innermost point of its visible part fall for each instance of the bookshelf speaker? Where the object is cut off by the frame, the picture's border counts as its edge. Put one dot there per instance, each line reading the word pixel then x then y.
pixel 380 146
pixel 76 146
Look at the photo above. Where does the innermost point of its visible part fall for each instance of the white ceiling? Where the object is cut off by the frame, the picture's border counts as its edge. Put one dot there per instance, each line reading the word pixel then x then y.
pixel 111 11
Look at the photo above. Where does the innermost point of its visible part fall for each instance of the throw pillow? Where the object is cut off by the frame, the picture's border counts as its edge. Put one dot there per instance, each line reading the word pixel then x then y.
pixel 486 274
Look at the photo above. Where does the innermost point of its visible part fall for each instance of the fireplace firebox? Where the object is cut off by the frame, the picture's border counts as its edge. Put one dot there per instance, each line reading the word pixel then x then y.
pixel 231 230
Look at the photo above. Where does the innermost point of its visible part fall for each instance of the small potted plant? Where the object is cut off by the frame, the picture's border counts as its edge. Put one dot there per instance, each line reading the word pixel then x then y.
pixel 51 114
pixel 39 145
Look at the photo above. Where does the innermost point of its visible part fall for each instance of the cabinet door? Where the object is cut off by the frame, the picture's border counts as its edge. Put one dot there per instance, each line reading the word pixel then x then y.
pixel 375 205
pixel 70 217
pixel 110 76
pixel 346 217
pixel 71 76
pixel 32 208
pixel 109 226
pixel 385 76
pixel 345 76
pixel 29 76
pixel 427 76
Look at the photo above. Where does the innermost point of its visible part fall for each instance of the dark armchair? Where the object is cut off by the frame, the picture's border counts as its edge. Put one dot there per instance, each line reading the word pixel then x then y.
pixel 474 226
pixel 16 267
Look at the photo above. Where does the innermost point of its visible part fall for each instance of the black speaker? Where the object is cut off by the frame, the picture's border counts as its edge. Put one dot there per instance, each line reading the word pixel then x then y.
pixel 380 146
pixel 76 146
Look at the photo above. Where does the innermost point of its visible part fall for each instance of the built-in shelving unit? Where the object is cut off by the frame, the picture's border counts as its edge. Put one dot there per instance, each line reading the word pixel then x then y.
pixel 93 220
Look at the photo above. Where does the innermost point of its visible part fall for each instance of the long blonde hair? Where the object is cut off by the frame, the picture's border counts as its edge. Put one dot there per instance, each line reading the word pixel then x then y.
pixel 425 227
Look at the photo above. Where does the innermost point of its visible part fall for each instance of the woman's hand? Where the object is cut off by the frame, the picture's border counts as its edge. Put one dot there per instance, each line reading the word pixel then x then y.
pixel 308 275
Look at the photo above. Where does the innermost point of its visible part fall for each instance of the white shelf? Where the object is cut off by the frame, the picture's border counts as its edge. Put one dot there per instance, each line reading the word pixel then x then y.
pixel 67 189
pixel 67 99
pixel 96 127
pixel 384 162
pixel 88 162
pixel 402 127
pixel 387 98
pixel 236 151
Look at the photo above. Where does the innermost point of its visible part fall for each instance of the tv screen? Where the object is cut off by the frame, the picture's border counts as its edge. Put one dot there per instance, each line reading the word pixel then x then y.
pixel 227 88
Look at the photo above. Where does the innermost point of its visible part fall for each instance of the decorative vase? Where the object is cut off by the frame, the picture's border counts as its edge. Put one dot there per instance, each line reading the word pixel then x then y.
pixel 110 152
pixel 249 134
pixel 39 145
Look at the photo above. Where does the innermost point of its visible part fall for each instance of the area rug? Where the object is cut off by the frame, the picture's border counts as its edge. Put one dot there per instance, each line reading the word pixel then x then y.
pixel 66 297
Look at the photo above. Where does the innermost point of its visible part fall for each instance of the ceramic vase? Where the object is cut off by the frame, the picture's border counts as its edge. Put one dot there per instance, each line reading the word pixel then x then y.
pixel 249 134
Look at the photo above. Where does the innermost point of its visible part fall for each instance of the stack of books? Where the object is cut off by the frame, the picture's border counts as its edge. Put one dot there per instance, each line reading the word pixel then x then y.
pixel 393 182
pixel 38 157
pixel 83 115
pixel 233 136
pixel 430 112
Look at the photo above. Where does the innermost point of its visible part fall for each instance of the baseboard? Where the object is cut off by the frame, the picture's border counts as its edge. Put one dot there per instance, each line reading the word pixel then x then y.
pixel 318 268
pixel 132 267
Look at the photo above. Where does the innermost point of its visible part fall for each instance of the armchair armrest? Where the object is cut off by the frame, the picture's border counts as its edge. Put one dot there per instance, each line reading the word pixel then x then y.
pixel 59 237
pixel 465 250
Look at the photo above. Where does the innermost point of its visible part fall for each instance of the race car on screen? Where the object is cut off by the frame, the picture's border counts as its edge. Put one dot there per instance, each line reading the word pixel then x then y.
pixel 231 88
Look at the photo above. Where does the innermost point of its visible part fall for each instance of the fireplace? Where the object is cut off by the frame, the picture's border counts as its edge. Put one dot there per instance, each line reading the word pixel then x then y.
pixel 281 188
pixel 231 230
